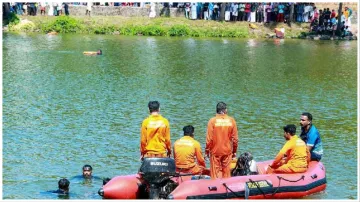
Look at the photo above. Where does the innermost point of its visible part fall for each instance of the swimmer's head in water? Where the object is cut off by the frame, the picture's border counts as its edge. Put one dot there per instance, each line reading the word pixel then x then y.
pixel 99 52
pixel 87 170
pixel 64 184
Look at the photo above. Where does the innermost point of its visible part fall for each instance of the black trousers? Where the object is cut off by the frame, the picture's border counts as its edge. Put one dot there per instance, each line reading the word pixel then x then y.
pixel 241 16
pixel 259 16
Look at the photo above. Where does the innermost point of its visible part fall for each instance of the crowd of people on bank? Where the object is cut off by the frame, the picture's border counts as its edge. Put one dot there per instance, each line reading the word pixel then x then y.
pixel 222 144
pixel 322 21
pixel 31 8
pixel 251 12
pixel 326 22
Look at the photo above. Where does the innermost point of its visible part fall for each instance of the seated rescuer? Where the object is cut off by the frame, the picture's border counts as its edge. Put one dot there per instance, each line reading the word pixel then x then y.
pixel 155 134
pixel 186 149
pixel 297 155
pixel 311 136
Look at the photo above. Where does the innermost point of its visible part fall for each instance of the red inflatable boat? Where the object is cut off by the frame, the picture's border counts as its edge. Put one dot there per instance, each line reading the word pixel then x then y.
pixel 157 179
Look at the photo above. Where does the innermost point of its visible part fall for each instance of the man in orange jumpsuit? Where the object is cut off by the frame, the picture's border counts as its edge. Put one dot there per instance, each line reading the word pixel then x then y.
pixel 294 157
pixel 221 142
pixel 155 134
pixel 186 149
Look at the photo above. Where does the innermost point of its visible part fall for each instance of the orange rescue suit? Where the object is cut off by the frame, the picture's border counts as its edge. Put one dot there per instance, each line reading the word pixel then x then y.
pixel 221 143
pixel 185 151
pixel 297 157
pixel 155 137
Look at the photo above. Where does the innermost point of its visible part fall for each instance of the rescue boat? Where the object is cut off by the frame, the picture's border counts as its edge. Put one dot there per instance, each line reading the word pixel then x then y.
pixel 157 179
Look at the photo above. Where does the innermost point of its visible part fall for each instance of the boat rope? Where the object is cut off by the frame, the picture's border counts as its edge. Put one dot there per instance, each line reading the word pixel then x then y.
pixel 258 187
pixel 227 188
pixel 280 178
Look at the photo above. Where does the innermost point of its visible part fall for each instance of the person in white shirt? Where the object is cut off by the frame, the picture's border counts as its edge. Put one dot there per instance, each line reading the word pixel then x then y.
pixel 193 11
pixel 306 13
pixel 235 8
pixel 59 8
pixel 88 7
pixel 152 10
pixel 25 8
pixel 50 9
pixel 216 11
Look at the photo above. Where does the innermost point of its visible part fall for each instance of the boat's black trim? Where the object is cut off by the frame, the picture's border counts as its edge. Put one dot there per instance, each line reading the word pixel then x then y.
pixel 265 190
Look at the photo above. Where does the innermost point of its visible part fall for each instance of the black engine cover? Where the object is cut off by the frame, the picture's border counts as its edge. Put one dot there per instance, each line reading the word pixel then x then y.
pixel 157 170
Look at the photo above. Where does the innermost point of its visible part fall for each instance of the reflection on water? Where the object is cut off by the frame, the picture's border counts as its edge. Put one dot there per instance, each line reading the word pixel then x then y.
pixel 62 110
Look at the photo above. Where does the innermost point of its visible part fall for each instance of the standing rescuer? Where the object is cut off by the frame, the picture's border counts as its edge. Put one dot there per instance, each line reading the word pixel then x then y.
pixel 186 149
pixel 155 134
pixel 221 142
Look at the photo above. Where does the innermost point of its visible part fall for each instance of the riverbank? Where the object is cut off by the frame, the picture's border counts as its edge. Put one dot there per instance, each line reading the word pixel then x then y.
pixel 160 26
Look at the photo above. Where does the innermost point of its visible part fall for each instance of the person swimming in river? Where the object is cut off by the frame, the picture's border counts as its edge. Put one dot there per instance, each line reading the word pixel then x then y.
pixel 86 174
pixel 63 187
pixel 99 52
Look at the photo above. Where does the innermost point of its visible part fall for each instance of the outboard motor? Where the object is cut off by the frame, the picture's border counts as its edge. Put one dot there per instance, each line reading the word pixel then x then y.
pixel 156 172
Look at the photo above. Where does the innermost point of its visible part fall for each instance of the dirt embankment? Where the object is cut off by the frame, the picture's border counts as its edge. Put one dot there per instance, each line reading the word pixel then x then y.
pixel 335 5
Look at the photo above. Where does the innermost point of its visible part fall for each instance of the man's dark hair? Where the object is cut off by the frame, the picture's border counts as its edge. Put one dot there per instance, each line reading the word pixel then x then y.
pixel 87 167
pixel 291 128
pixel 64 184
pixel 220 107
pixel 154 106
pixel 106 180
pixel 308 115
pixel 188 130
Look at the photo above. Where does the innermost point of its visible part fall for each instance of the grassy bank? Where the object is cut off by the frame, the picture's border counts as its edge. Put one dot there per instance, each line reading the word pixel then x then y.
pixel 152 27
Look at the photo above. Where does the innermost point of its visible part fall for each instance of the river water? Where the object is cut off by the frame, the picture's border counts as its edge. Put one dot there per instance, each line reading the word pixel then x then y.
pixel 62 109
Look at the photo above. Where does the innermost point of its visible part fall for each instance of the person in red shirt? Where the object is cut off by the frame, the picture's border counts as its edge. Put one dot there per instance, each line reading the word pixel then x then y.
pixel 221 142
pixel 155 134
pixel 333 13
pixel 186 150
pixel 247 11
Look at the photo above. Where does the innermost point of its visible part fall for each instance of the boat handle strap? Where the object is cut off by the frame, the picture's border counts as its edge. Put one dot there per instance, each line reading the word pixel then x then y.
pixel 301 178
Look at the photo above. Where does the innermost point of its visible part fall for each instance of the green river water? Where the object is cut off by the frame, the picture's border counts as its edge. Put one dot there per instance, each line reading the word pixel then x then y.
pixel 62 109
